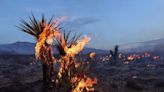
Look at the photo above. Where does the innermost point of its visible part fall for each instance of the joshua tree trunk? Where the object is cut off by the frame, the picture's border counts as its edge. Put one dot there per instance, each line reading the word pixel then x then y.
pixel 46 73
pixel 48 67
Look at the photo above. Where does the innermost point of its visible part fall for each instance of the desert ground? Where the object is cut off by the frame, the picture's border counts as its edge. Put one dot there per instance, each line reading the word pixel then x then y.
pixel 21 73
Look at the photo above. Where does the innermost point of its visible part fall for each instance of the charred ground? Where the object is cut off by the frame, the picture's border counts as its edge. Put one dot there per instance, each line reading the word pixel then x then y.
pixel 21 72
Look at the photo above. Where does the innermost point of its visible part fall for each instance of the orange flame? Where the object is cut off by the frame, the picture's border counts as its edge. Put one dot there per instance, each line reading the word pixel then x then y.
pixel 130 58
pixel 47 36
pixel 92 55
pixel 86 83
pixel 41 41
pixel 75 49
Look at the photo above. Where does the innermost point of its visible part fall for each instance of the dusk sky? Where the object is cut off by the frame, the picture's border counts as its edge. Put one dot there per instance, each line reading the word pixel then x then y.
pixel 107 22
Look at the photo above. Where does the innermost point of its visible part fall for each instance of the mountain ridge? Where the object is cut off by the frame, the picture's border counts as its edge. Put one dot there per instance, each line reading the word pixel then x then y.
pixel 28 48
pixel 151 46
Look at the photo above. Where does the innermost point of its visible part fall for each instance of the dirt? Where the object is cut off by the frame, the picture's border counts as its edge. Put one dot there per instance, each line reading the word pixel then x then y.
pixel 21 73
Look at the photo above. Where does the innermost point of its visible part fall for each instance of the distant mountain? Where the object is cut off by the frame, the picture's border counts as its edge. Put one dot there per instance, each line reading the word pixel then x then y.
pixel 27 48
pixel 17 48
pixel 152 45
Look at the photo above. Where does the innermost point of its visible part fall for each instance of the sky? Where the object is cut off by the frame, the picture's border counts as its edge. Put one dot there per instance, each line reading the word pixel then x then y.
pixel 107 22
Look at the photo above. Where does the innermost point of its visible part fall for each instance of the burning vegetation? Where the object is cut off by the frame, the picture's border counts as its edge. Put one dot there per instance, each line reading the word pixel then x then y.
pixel 71 75
pixel 126 58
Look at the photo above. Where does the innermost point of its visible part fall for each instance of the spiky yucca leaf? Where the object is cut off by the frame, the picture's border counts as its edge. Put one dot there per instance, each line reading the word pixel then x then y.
pixel 34 27
pixel 68 41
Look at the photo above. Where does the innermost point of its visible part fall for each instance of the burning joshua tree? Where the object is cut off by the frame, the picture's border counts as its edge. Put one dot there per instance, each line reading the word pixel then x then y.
pixel 72 74
pixel 42 32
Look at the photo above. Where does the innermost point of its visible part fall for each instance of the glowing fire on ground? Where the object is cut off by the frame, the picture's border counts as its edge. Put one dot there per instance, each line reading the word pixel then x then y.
pixel 85 83
pixel 132 57
pixel 92 55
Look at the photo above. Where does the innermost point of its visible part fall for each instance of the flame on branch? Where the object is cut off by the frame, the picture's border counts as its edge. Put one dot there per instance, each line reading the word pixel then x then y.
pixel 75 49
pixel 50 31
pixel 41 41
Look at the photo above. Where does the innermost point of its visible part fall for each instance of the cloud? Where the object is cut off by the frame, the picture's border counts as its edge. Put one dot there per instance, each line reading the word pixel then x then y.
pixel 78 22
